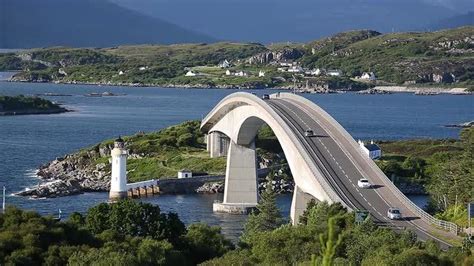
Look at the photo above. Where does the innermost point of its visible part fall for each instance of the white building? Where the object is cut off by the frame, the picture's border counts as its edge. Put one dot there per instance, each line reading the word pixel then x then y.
pixel 121 72
pixel 118 182
pixel 286 63
pixel 191 73
pixel 184 173
pixel 281 69
pixel 228 73
pixel 261 73
pixel 313 72
pixel 241 74
pixel 372 150
pixel 295 69
pixel 334 72
pixel 142 68
pixel 368 76
pixel 224 64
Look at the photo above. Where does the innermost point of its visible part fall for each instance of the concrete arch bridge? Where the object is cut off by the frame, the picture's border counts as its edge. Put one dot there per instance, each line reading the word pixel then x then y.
pixel 325 167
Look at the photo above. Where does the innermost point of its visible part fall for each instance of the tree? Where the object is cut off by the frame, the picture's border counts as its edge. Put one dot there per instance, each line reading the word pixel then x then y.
pixel 266 217
pixel 128 217
pixel 206 242
pixel 329 243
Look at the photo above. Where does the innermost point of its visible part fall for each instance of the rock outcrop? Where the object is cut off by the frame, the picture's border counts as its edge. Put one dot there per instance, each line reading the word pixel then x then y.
pixel 286 54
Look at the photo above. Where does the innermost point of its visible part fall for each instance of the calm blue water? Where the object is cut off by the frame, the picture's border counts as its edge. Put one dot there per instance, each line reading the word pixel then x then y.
pixel 29 141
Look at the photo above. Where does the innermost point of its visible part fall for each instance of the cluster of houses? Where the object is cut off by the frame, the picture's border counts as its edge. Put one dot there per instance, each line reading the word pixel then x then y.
pixel 289 67
pixel 370 76
pixel 295 68
pixel 242 73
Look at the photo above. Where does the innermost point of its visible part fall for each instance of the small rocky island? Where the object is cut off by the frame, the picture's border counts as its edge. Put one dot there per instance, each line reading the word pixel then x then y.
pixel 25 105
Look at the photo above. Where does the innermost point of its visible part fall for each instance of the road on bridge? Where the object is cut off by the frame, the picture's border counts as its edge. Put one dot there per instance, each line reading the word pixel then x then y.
pixel 342 170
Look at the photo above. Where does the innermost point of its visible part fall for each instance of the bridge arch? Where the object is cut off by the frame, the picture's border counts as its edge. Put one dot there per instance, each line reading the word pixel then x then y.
pixel 239 116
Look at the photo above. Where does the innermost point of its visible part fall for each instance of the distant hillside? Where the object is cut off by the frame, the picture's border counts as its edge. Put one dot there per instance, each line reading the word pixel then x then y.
pixel 466 19
pixel 84 23
pixel 405 57
pixel 437 58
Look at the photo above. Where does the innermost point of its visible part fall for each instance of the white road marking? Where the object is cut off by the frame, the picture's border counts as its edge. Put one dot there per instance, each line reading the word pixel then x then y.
pixel 349 156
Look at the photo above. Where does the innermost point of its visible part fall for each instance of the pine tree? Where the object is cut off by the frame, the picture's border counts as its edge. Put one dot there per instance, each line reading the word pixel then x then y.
pixel 266 217
pixel 329 244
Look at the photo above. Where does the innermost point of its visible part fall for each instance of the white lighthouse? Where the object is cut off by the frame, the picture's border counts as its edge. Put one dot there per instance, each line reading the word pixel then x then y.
pixel 118 183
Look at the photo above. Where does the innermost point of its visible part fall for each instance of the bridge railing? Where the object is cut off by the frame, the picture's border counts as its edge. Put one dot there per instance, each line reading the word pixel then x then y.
pixel 152 182
pixel 448 226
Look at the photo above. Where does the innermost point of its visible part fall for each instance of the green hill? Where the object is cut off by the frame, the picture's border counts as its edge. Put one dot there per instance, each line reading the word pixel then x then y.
pixel 442 57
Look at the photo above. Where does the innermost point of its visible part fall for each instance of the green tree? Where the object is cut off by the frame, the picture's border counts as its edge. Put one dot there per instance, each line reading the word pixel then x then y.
pixel 206 242
pixel 266 217
pixel 329 243
pixel 128 217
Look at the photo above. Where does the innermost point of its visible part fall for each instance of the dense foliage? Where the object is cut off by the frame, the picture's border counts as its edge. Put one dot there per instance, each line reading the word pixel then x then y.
pixel 21 102
pixel 133 233
pixel 328 236
pixel 124 233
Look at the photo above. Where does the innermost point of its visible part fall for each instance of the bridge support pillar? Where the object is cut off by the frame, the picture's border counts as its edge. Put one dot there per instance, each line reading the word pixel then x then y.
pixel 217 144
pixel 240 192
pixel 298 204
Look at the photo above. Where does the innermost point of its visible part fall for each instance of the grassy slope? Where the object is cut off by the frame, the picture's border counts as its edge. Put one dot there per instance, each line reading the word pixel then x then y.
pixel 399 57
pixel 395 58
pixel 164 153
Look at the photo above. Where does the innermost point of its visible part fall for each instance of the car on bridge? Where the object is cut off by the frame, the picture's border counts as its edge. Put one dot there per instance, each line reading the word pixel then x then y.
pixel 309 133
pixel 266 97
pixel 364 183
pixel 394 214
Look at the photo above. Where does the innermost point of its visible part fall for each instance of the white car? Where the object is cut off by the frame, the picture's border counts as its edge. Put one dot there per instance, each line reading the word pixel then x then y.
pixel 394 214
pixel 309 133
pixel 363 183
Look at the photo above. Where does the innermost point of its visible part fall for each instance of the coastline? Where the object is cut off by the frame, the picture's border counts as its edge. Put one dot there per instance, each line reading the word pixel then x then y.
pixel 422 90
pixel 34 112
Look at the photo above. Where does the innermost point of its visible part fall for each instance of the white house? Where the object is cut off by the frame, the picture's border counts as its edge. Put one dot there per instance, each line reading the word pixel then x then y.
pixel 313 72
pixel 121 72
pixel 295 69
pixel 184 173
pixel 228 73
pixel 261 73
pixel 241 74
pixel 334 72
pixel 371 149
pixel 286 63
pixel 224 64
pixel 190 73
pixel 142 68
pixel 281 69
pixel 368 76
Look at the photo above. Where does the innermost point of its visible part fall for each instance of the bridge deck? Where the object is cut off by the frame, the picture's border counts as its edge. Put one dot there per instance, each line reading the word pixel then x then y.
pixel 342 172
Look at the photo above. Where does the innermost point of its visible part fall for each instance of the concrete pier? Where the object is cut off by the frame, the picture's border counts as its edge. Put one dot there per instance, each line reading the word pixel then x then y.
pixel 299 204
pixel 240 192
pixel 217 144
